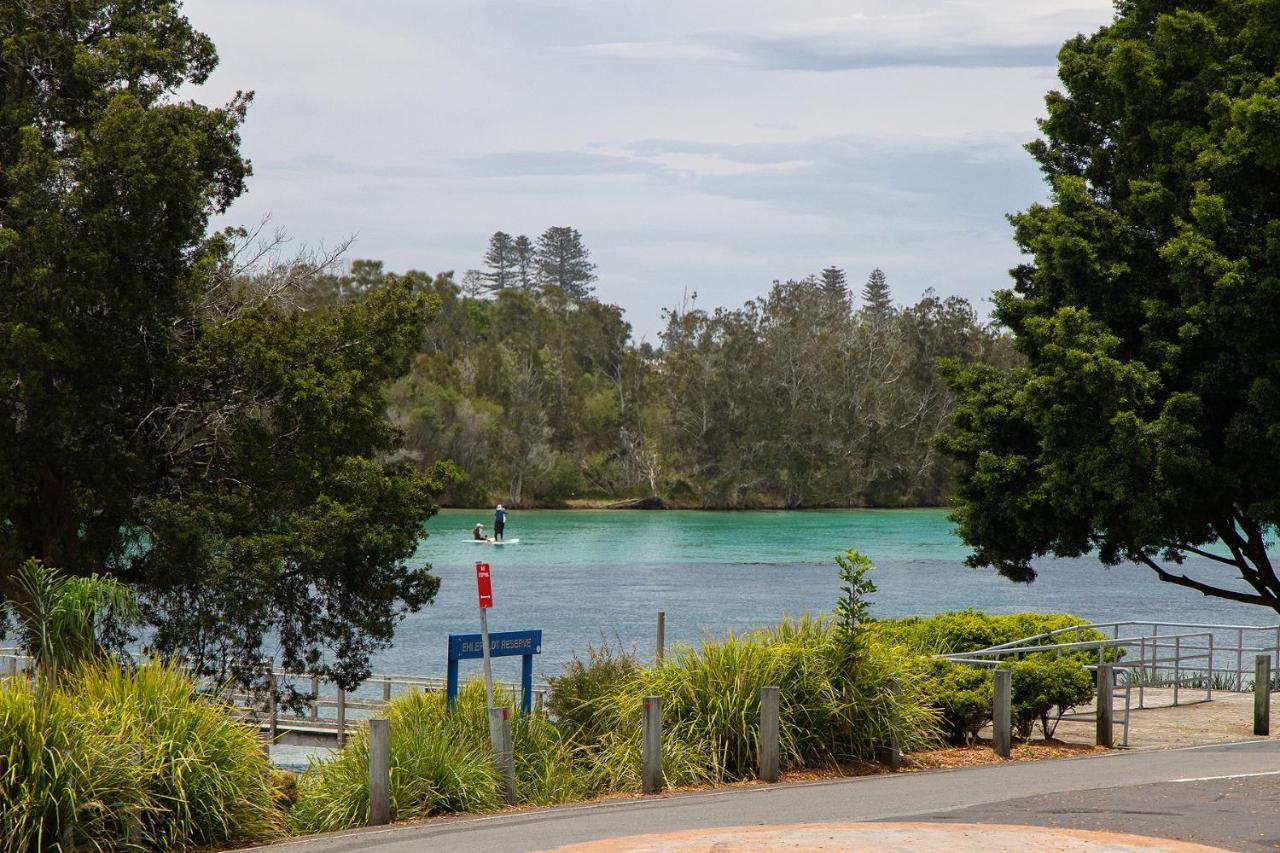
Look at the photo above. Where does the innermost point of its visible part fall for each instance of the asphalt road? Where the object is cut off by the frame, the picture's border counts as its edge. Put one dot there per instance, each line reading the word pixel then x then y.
pixel 1225 795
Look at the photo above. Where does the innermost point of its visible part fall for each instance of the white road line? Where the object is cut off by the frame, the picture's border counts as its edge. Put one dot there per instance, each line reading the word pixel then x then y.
pixel 1232 776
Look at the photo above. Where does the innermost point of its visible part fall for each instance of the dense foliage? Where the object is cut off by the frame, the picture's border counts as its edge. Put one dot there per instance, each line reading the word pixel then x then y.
pixel 109 758
pixel 1144 425
pixel 800 398
pixel 165 413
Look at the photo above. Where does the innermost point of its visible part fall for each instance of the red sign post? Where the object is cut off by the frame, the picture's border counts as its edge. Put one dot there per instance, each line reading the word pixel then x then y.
pixel 484 586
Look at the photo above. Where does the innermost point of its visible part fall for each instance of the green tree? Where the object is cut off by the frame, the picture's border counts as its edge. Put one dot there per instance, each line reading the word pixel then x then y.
pixel 501 261
pixel 1144 424
pixel 166 415
pixel 564 262
pixel 876 298
pixel 835 282
pixel 525 263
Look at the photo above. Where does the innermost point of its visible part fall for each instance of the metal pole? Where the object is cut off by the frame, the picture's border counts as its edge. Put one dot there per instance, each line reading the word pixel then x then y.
pixel 1177 666
pixel 1106 706
pixel 769 697
pixel 488 670
pixel 652 748
pixel 379 772
pixel 1262 695
pixel 273 725
pixel 315 698
pixel 342 718
pixel 1002 714
pixel 662 633
pixel 1208 688
pixel 1142 668
pixel 1240 654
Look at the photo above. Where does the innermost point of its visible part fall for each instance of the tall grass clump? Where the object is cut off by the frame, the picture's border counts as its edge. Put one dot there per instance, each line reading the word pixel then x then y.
pixel 440 763
pixel 107 758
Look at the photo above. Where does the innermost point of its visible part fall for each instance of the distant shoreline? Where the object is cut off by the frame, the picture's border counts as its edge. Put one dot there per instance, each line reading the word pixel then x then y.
pixel 659 505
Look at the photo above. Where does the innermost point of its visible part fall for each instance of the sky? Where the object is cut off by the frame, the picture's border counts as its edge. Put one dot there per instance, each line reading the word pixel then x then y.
pixel 701 147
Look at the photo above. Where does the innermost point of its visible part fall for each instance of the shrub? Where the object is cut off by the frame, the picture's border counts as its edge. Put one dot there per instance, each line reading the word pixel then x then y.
pixel 833 708
pixel 108 758
pixel 573 694
pixel 970 630
pixel 962 694
pixel 1043 686
pixel 440 763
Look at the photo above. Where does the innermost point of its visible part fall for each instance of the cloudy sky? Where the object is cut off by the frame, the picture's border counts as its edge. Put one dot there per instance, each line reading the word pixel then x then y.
pixel 708 146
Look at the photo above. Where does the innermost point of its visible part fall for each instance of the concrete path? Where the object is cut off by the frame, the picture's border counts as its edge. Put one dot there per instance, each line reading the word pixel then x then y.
pixel 1190 794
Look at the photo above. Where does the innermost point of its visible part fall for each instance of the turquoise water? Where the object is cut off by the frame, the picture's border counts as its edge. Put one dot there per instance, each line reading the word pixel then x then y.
pixel 579 575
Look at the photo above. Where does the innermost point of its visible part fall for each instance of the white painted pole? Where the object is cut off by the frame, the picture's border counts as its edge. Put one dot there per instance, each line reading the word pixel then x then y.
pixel 488 669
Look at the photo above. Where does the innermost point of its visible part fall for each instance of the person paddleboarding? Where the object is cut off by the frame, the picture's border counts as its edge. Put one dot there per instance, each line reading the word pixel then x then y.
pixel 499 523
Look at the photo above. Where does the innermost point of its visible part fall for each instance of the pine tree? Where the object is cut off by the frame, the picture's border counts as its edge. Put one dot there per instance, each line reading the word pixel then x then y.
pixel 526 279
pixel 834 282
pixel 875 294
pixel 500 261
pixel 563 261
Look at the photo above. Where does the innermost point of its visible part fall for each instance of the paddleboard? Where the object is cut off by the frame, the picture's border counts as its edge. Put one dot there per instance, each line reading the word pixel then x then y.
pixel 487 542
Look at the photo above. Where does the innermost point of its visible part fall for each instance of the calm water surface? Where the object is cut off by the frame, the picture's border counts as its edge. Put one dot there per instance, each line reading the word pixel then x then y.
pixel 580 574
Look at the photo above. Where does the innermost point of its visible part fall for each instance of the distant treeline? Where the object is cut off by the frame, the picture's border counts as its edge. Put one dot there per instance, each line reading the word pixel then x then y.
pixel 807 397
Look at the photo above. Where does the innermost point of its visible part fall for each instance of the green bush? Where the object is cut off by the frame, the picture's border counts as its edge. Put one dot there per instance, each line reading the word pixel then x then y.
pixel 970 630
pixel 575 692
pixel 440 763
pixel 109 758
pixel 962 694
pixel 833 707
pixel 1043 689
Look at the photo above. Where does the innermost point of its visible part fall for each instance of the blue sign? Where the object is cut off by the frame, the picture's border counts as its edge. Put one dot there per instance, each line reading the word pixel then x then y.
pixel 501 644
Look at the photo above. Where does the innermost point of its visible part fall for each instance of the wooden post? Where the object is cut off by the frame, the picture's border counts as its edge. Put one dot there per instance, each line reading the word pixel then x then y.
pixel 1262 695
pixel 1002 714
pixel 386 688
pixel 315 698
pixel 1106 701
pixel 662 633
pixel 890 754
pixel 379 772
pixel 652 750
pixel 342 718
pixel 769 701
pixel 500 738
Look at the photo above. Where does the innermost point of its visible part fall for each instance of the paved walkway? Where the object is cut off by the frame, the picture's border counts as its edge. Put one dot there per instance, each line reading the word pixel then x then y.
pixel 1226 795
pixel 921 837
pixel 1229 717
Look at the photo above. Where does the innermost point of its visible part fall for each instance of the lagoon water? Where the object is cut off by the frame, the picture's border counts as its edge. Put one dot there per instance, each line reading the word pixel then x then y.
pixel 583 574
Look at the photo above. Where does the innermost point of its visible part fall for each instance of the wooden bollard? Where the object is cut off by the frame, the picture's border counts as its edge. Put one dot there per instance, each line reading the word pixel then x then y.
pixel 386 688
pixel 652 750
pixel 1106 706
pixel 379 772
pixel 662 634
pixel 1262 695
pixel 890 754
pixel 769 702
pixel 503 758
pixel 1002 714
pixel 342 718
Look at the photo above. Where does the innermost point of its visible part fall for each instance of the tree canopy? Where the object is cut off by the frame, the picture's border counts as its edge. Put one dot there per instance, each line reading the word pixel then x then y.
pixel 166 414
pixel 1145 425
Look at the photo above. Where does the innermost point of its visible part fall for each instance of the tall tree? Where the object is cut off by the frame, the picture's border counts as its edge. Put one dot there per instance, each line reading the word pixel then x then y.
pixel 501 262
pixel 835 283
pixel 1144 425
pixel 564 262
pixel 876 298
pixel 525 263
pixel 165 416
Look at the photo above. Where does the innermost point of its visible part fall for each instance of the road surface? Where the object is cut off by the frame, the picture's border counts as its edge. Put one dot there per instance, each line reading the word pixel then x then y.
pixel 1226 795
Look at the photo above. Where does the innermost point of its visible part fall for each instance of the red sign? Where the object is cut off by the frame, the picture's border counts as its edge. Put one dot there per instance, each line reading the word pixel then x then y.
pixel 483 585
